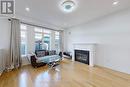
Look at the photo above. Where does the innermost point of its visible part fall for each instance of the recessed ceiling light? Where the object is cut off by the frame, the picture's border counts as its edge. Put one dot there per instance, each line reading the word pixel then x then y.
pixel 115 2
pixel 68 6
pixel 27 9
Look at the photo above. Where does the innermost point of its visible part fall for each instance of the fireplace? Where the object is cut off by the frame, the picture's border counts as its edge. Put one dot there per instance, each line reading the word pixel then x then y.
pixel 82 56
pixel 91 52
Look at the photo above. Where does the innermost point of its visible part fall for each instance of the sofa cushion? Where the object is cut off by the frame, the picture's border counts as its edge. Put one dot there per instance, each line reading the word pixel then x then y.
pixel 48 58
pixel 41 53
pixel 53 52
pixel 47 53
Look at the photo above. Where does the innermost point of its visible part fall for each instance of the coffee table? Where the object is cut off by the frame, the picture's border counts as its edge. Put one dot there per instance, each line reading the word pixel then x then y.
pixel 52 60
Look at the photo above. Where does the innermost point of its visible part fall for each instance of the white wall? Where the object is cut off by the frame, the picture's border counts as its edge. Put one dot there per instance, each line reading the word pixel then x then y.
pixel 112 34
pixel 4 41
pixel 4 33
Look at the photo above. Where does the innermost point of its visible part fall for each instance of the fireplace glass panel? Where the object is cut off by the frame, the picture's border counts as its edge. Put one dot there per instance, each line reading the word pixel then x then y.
pixel 82 56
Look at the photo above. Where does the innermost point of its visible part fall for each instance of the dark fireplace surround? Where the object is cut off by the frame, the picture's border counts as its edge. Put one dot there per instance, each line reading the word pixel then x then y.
pixel 82 56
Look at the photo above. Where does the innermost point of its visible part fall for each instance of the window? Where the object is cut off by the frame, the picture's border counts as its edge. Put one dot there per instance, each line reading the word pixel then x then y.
pixel 38 30
pixel 23 39
pixel 57 41
pixel 42 39
pixel 38 38
pixel 46 39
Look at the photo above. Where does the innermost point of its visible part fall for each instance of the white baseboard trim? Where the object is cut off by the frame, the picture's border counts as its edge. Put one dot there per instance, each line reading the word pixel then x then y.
pixel 108 68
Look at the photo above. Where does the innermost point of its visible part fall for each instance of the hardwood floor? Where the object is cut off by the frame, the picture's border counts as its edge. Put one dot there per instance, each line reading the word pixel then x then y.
pixel 68 74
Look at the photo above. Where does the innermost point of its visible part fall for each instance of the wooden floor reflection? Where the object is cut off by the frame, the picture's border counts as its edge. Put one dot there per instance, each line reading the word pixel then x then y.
pixel 68 74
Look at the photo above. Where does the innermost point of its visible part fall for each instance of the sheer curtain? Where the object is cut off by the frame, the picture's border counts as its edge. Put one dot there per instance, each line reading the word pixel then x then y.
pixel 4 43
pixel 10 56
pixel 15 55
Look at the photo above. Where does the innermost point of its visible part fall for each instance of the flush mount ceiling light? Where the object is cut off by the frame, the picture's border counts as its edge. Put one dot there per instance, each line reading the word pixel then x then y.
pixel 115 2
pixel 68 6
pixel 27 9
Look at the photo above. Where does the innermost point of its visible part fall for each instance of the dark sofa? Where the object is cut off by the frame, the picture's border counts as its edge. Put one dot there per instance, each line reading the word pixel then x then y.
pixel 34 62
pixel 39 54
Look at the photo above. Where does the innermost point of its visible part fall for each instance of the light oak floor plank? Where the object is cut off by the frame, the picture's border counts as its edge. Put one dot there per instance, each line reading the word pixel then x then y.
pixel 68 74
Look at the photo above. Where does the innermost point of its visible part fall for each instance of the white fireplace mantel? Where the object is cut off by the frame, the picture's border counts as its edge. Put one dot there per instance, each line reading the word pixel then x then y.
pixel 91 47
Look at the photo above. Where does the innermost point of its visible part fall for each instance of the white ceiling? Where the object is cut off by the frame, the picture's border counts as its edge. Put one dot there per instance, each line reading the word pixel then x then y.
pixel 48 11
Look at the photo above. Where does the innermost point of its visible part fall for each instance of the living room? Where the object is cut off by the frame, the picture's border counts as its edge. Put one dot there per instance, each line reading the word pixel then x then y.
pixel 49 43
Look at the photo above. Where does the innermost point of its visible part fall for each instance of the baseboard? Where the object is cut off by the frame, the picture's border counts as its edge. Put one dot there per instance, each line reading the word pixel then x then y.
pixel 107 68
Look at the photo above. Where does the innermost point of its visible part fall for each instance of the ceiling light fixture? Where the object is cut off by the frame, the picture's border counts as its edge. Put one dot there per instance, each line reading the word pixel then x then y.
pixel 115 2
pixel 68 6
pixel 27 9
